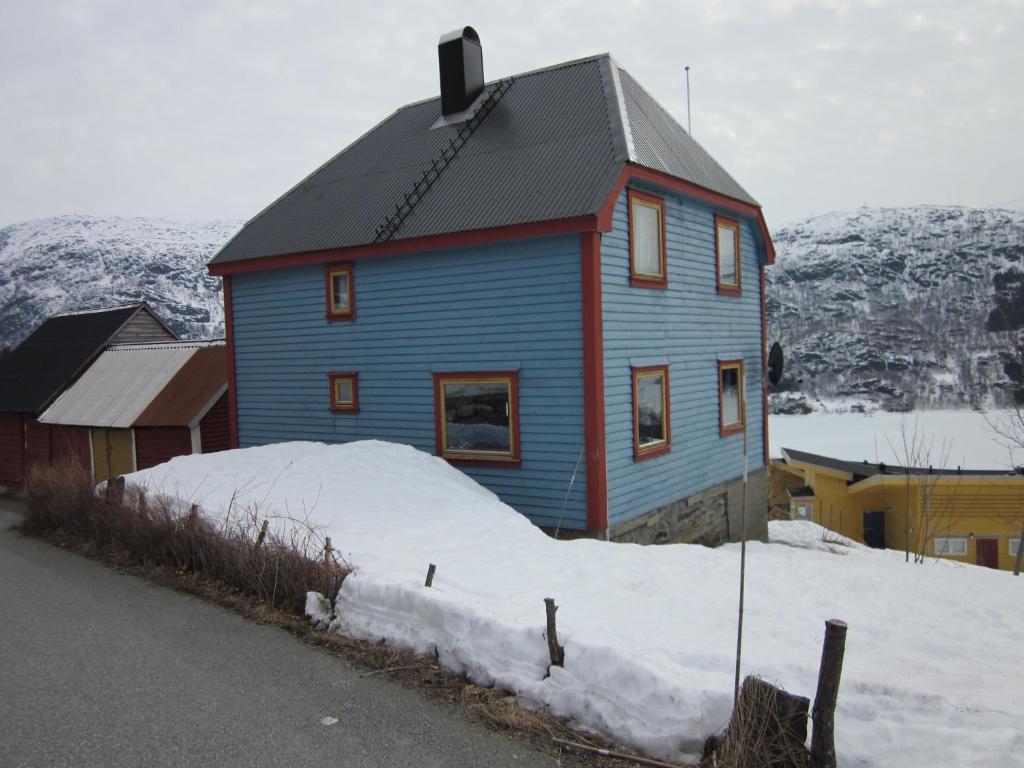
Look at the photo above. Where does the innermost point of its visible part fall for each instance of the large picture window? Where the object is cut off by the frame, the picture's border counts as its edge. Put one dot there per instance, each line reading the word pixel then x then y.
pixel 651 423
pixel 647 240
pixel 477 416
pixel 731 405
pixel 727 250
pixel 341 296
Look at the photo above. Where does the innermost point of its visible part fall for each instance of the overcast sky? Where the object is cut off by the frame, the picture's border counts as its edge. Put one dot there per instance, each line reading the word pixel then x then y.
pixel 212 109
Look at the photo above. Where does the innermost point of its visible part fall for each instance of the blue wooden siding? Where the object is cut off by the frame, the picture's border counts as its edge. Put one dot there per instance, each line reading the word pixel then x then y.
pixel 483 308
pixel 690 327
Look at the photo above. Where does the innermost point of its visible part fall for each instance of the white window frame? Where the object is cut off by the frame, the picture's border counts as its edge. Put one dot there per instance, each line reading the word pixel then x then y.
pixel 948 541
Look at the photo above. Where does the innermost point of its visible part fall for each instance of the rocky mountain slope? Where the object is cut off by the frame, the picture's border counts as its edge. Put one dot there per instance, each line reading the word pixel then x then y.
pixel 899 307
pixel 67 263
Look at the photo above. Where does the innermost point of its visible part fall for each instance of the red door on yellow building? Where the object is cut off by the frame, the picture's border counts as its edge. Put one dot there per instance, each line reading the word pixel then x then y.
pixel 987 552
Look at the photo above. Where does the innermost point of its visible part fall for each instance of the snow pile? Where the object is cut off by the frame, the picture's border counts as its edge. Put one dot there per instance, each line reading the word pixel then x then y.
pixel 807 535
pixel 932 673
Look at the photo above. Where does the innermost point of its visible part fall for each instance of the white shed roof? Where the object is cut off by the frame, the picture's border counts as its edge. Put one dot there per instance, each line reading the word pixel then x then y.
pixel 118 387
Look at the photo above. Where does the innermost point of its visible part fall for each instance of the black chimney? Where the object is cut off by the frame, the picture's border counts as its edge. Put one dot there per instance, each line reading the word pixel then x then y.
pixel 462 69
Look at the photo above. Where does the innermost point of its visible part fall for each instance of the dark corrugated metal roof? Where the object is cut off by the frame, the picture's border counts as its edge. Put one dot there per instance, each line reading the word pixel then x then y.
pixel 862 469
pixel 49 359
pixel 551 148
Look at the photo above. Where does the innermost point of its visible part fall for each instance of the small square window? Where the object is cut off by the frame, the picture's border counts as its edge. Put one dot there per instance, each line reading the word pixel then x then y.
pixel 651 411
pixel 727 255
pixel 956 546
pixel 341 300
pixel 731 403
pixel 646 240
pixel 344 391
pixel 804 511
pixel 477 417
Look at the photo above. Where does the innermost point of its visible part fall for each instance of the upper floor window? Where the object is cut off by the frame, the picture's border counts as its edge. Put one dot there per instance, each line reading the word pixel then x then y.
pixel 477 416
pixel 727 250
pixel 341 299
pixel 647 240
pixel 651 423
pixel 344 391
pixel 731 405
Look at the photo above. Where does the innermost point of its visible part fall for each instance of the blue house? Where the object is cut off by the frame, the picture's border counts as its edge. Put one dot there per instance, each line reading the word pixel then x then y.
pixel 543 279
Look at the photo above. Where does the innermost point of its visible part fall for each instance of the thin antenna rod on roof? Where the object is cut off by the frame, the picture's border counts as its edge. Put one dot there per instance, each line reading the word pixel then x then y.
pixel 689 128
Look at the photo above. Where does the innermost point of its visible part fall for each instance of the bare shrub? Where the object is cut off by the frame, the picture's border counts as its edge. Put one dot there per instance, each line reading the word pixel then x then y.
pixel 767 730
pixel 61 499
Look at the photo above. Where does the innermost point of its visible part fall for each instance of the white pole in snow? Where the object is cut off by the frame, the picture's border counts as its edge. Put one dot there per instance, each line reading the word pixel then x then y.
pixel 743 546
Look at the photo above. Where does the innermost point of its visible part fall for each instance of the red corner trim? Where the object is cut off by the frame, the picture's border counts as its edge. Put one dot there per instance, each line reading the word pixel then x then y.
pixel 639 453
pixel 725 288
pixel 593 383
pixel 428 243
pixel 723 430
pixel 229 339
pixel 666 181
pixel 764 367
pixel 329 272
pixel 483 460
pixel 641 280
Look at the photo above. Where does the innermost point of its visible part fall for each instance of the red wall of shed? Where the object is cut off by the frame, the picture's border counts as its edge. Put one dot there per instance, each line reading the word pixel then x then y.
pixel 11 450
pixel 215 427
pixel 71 445
pixel 155 445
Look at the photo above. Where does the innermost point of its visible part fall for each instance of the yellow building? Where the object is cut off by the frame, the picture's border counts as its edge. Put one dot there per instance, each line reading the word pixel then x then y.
pixel 974 516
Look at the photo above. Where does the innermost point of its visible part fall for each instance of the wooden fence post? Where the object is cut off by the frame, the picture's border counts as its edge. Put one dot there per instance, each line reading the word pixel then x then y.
pixel 193 516
pixel 556 651
pixel 262 534
pixel 430 575
pixel 823 747
pixel 115 489
pixel 327 552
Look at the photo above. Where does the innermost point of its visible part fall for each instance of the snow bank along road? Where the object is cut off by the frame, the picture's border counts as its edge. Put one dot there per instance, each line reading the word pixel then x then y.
pixel 932 673
pixel 102 669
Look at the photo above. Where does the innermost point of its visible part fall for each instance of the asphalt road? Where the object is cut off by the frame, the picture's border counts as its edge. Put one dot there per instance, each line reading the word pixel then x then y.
pixel 99 668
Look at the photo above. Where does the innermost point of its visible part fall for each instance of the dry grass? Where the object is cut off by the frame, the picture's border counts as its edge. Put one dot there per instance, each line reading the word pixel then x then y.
pixel 278 572
pixel 767 730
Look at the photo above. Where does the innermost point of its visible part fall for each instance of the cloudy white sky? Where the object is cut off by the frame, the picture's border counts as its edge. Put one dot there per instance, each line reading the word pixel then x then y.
pixel 211 109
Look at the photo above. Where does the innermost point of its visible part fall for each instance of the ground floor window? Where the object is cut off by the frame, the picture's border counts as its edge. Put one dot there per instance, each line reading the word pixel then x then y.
pixel 477 416
pixel 731 405
pixel 344 391
pixel 1014 547
pixel 804 511
pixel 956 546
pixel 651 423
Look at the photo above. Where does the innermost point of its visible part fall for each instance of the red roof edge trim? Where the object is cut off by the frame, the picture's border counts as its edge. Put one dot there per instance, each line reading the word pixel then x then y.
pixel 688 188
pixel 428 243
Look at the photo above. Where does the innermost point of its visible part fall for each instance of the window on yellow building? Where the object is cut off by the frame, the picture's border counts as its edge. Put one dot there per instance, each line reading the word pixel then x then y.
pixel 1014 547
pixel 956 546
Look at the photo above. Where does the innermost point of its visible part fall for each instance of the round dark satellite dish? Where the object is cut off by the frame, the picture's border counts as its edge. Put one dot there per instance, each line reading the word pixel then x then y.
pixel 775 363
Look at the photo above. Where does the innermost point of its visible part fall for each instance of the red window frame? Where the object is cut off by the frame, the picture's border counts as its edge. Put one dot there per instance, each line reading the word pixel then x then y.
pixel 728 289
pixel 731 429
pixel 336 376
pixel 482 458
pixel 642 453
pixel 639 279
pixel 330 271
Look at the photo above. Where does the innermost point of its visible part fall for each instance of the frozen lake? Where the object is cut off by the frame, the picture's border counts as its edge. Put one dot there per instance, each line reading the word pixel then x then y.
pixel 955 438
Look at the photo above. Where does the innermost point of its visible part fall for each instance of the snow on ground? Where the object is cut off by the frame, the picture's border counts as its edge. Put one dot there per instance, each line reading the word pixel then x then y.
pixel 932 673
pixel 956 438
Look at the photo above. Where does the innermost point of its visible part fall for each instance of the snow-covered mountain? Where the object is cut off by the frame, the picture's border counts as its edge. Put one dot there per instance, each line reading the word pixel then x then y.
pixel 900 307
pixel 67 263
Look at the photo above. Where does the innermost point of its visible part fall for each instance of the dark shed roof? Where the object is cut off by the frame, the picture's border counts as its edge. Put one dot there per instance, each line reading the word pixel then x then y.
pixel 551 148
pixel 862 469
pixel 54 354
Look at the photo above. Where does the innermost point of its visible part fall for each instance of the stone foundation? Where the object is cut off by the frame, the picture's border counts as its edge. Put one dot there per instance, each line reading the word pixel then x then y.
pixel 710 517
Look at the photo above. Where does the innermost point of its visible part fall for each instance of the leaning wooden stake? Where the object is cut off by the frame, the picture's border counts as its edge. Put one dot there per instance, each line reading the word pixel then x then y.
pixel 262 535
pixel 557 652
pixel 115 489
pixel 430 575
pixel 823 746
pixel 327 551
pixel 193 516
pixel 143 507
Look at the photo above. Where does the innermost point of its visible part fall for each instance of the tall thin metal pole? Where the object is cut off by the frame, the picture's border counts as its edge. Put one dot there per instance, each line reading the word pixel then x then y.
pixel 689 128
pixel 743 553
